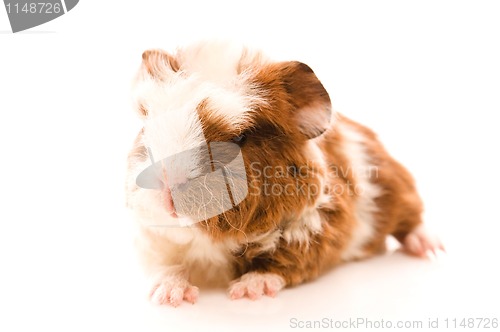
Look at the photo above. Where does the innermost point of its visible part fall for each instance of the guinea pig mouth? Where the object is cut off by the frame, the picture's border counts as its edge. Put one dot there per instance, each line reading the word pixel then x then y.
pixel 220 184
pixel 169 202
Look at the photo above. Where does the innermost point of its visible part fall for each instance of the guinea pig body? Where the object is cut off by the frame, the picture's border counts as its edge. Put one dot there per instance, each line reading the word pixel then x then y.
pixel 319 189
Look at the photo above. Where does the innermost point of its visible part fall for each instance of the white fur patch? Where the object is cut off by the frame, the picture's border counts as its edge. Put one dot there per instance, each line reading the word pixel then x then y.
pixel 215 61
pixel 354 147
pixel 317 156
pixel 207 70
pixel 268 241
pixel 300 231
pixel 166 250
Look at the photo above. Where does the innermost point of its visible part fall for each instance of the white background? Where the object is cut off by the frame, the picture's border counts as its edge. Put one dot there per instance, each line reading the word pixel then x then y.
pixel 424 74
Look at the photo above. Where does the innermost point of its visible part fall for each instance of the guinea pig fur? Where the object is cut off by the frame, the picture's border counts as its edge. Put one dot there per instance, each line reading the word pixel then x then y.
pixel 320 188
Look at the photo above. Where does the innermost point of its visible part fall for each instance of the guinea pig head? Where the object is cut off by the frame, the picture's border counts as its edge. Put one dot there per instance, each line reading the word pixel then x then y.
pixel 228 134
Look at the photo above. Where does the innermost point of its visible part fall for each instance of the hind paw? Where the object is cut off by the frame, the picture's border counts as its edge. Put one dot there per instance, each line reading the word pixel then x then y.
pixel 420 242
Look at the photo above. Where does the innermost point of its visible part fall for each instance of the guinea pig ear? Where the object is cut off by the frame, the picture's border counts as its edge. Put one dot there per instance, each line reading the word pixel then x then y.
pixel 311 103
pixel 158 63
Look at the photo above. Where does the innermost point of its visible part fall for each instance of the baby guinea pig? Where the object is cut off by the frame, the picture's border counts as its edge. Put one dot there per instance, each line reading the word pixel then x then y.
pixel 243 177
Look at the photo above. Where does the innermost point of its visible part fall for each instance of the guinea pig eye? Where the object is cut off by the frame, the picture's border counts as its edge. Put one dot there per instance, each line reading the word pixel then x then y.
pixel 239 139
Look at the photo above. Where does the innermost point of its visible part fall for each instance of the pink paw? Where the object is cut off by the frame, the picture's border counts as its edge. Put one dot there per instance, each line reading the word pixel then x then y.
pixel 253 285
pixel 172 290
pixel 422 243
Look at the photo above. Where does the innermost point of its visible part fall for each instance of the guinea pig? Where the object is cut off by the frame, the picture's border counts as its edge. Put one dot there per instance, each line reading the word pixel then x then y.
pixel 243 177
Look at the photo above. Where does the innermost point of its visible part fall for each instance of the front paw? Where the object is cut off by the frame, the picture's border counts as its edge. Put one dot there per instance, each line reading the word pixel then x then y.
pixel 254 284
pixel 172 290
